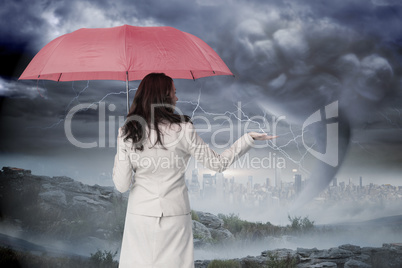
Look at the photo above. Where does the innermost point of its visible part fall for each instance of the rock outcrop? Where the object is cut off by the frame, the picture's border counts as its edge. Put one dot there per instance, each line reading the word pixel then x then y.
pixel 209 230
pixel 60 207
pixel 209 220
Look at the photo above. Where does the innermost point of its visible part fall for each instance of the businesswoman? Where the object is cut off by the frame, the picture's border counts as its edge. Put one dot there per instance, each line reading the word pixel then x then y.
pixel 156 144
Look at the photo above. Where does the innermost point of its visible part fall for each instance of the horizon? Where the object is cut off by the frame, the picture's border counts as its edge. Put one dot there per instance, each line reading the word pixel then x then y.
pixel 278 214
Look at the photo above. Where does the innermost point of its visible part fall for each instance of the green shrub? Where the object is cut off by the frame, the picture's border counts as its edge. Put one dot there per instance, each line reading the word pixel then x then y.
pixel 299 225
pixel 232 222
pixel 244 229
pixel 194 216
pixel 224 264
pixel 252 264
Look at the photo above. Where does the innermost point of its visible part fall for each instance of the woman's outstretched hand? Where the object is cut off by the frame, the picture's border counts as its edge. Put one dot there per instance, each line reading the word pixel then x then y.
pixel 261 136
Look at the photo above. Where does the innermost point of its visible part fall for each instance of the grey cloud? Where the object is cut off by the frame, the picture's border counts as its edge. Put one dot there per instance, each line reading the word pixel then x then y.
pixel 292 44
pixel 375 76
pixel 310 60
pixel 347 67
pixel 378 18
pixel 23 22
pixel 386 2
pixel 273 52
pixel 13 89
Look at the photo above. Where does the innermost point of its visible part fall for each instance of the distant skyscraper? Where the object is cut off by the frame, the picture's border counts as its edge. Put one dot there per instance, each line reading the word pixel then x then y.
pixel 278 181
pixel 267 183
pixel 232 180
pixel 208 186
pixel 250 184
pixel 194 177
pixel 298 183
pixel 335 182
pixel 220 183
pixel 361 182
pixel 194 185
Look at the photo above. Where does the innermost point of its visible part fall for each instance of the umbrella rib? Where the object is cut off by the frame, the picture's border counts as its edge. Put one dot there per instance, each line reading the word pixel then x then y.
pixel 203 54
pixel 61 39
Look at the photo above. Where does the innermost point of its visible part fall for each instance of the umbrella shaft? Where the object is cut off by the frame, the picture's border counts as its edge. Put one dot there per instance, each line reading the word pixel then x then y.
pixel 128 106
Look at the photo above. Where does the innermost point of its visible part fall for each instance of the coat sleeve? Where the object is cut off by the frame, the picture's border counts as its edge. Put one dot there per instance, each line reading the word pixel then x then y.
pixel 208 157
pixel 122 169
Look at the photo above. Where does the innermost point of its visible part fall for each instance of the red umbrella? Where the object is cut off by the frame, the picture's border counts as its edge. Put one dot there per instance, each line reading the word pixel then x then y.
pixel 125 53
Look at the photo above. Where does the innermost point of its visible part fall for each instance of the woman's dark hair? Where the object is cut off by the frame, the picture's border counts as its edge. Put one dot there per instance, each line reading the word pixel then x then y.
pixel 152 104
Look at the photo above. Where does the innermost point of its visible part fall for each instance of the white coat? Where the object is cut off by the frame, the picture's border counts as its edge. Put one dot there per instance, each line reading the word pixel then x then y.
pixel 158 189
pixel 159 185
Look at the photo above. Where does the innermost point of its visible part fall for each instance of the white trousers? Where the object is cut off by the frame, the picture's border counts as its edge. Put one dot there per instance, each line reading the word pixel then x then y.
pixel 157 242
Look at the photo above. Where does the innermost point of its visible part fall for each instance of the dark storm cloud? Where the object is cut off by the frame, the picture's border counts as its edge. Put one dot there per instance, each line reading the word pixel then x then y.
pixel 378 18
pixel 268 45
pixel 22 23
pixel 19 30
pixel 307 59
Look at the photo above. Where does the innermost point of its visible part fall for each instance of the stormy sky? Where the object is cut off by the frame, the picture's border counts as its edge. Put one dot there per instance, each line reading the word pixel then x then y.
pixel 290 59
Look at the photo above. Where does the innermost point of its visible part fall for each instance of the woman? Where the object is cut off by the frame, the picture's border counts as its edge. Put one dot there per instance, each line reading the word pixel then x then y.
pixel 157 144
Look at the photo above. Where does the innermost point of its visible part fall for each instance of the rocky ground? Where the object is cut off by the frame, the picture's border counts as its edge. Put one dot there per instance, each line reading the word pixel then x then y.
pixel 345 256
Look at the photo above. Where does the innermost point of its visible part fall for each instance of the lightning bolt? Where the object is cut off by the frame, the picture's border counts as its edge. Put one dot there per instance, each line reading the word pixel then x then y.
pixel 389 117
pixel 239 115
pixel 272 145
pixel 389 120
pixel 77 94
pixel 361 146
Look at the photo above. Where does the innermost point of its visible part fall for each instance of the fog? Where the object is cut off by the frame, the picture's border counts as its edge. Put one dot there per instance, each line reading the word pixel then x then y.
pixel 329 213
pixel 335 225
pixel 341 222
pixel 374 237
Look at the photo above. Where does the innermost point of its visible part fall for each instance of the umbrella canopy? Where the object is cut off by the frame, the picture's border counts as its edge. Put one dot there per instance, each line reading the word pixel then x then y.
pixel 125 53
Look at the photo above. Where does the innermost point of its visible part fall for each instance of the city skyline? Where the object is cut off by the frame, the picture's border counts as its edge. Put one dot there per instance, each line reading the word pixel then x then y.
pixel 340 202
pixel 218 180
pixel 353 180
